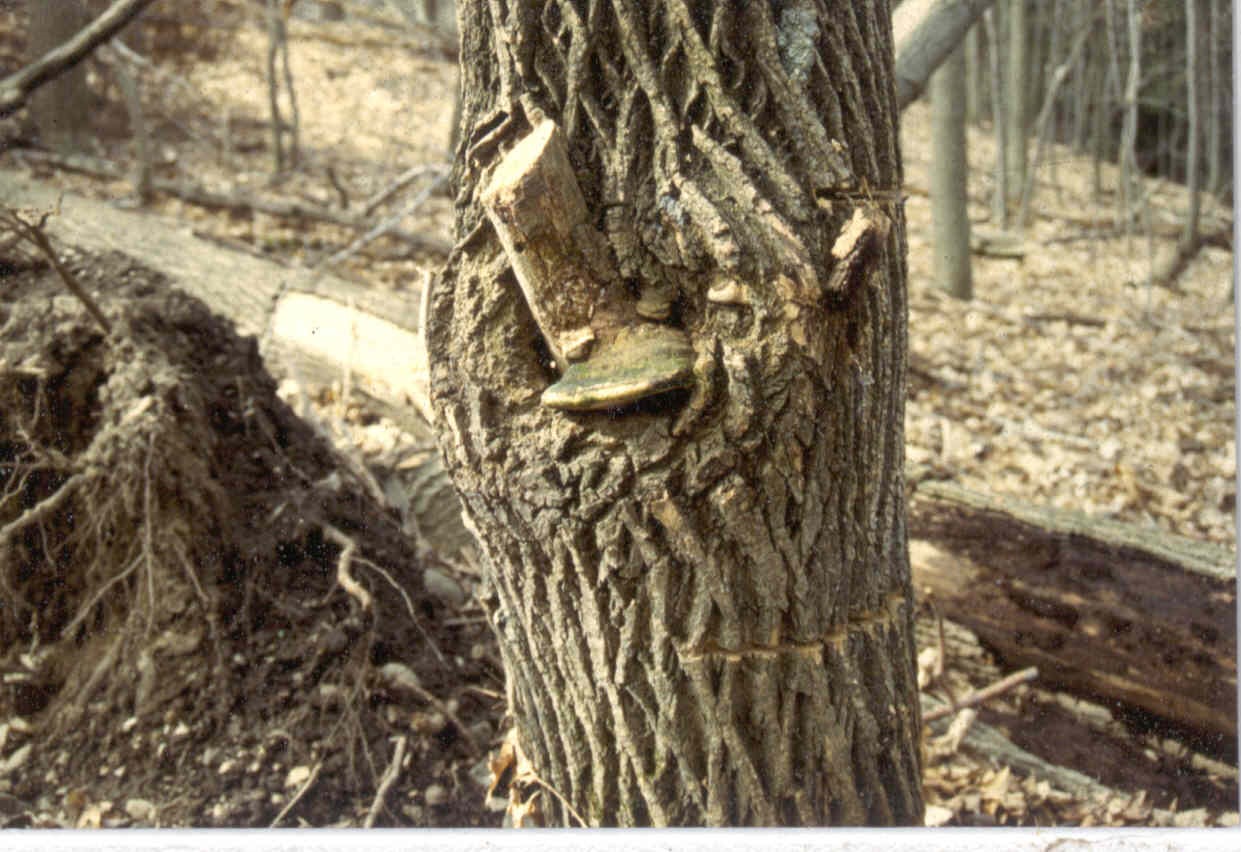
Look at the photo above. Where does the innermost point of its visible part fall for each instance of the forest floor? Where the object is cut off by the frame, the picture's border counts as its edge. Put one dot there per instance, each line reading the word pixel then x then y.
pixel 1067 381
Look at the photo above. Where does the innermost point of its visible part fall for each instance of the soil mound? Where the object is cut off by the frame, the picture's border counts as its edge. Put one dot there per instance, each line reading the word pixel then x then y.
pixel 188 571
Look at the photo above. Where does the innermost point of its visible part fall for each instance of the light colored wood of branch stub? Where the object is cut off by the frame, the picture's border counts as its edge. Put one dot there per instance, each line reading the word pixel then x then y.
pixel 537 209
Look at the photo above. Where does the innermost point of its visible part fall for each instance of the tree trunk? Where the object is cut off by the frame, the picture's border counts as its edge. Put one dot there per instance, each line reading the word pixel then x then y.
pixel 994 22
pixel 1217 108
pixel 61 108
pixel 974 77
pixel 702 597
pixel 949 198
pixel 1129 180
pixel 1015 100
pixel 1193 143
pixel 926 31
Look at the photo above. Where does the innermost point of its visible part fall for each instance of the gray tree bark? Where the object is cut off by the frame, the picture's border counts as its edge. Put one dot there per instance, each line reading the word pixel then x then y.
pixel 926 31
pixel 1015 99
pixel 1193 143
pixel 702 599
pixel 949 198
pixel 993 20
pixel 61 108
pixel 975 95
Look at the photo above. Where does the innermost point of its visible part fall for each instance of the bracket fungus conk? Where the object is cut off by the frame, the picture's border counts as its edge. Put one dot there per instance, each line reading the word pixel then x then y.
pixel 639 361
pixel 608 354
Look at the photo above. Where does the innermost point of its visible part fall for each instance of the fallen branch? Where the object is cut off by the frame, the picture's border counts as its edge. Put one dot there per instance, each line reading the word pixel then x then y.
pixel 405 179
pixel 988 741
pixel 17 88
pixel 979 696
pixel 385 784
pixel 33 234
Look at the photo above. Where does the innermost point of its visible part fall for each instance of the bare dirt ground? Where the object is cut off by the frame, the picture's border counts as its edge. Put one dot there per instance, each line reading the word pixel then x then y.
pixel 263 672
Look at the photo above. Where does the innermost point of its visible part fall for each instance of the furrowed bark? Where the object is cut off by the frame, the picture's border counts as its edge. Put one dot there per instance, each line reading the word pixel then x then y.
pixel 703 599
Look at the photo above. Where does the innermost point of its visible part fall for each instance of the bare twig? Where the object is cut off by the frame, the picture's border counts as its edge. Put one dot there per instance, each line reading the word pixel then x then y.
pixel 314 774
pixel 982 695
pixel 385 784
pixel 405 179
pixel 409 606
pixel 17 88
pixel 387 226
pixel 34 234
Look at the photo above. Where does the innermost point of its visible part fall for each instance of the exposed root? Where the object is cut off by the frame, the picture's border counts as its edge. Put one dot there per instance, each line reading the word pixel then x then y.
pixel 385 784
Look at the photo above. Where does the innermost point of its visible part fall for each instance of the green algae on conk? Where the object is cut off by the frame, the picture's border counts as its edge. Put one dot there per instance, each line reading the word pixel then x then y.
pixel 637 363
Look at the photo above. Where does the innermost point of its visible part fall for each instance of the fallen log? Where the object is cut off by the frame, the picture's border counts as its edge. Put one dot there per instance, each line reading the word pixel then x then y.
pixel 237 202
pixel 1103 609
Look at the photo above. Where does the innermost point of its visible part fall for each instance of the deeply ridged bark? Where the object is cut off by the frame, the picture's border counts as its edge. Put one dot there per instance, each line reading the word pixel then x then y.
pixel 703 601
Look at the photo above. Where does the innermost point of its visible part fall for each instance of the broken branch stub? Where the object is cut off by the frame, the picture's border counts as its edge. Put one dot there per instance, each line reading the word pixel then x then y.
pixel 535 205
pixel 571 284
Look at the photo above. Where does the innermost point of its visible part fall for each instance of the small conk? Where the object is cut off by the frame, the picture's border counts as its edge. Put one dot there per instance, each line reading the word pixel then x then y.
pixel 640 361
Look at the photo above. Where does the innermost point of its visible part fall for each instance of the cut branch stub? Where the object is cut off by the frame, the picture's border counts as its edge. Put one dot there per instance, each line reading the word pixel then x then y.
pixel 535 205
pixel 571 284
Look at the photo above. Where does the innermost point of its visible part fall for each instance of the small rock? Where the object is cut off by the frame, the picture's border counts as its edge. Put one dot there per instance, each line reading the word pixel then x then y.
pixel 129 724
pixel 297 776
pixel 208 756
pixel 435 795
pixel 400 678
pixel 227 767
pixel 445 588
pixel 181 731
pixel 140 810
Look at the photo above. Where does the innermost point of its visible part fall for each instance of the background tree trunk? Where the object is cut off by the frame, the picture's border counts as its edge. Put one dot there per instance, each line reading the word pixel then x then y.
pixel 1193 142
pixel 703 600
pixel 975 96
pixel 994 23
pixel 949 199
pixel 60 109
pixel 1015 100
